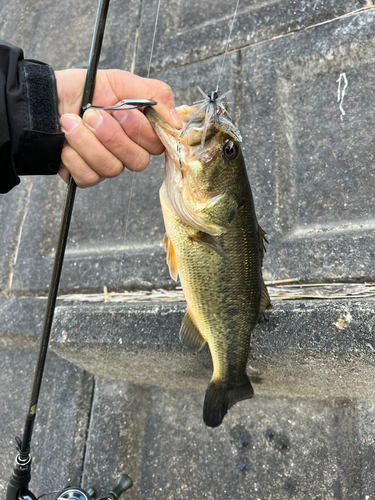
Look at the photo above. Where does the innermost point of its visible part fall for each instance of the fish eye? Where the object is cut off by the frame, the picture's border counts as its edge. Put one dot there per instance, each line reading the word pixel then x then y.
pixel 230 150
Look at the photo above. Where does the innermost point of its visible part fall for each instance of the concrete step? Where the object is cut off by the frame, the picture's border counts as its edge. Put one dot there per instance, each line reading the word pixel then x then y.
pixel 318 349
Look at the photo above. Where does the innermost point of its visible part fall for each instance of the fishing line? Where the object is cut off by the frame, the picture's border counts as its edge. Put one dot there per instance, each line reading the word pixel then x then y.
pixel 106 352
pixel 138 141
pixel 226 48
pixel 153 38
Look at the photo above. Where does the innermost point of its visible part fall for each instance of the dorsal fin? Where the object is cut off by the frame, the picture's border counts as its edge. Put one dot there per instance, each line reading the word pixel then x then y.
pixel 171 257
pixel 190 336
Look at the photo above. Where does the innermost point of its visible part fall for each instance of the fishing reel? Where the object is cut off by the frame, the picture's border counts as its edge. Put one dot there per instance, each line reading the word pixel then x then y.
pixel 72 493
pixel 18 486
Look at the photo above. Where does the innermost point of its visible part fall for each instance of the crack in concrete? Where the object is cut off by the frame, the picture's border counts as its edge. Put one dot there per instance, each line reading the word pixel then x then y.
pixel 18 243
pixel 136 37
pixel 292 32
pixel 88 428
pixel 277 37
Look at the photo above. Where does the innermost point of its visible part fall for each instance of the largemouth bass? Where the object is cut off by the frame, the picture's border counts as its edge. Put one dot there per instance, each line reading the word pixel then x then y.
pixel 215 246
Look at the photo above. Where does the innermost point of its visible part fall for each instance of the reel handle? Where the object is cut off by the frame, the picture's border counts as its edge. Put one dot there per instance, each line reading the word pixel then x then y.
pixel 124 483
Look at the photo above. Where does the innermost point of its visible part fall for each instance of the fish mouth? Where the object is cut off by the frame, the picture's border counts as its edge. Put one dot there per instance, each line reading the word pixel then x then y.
pixel 167 134
pixel 183 145
pixel 184 155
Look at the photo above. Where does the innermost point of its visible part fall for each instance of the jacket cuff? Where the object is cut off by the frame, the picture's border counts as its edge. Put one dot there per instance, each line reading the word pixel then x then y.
pixel 42 141
pixel 40 153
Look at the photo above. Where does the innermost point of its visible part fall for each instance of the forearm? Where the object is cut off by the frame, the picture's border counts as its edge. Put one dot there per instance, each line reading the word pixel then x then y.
pixel 30 138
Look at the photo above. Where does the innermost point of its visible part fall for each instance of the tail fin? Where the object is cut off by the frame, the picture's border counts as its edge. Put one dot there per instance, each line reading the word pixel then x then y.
pixel 220 397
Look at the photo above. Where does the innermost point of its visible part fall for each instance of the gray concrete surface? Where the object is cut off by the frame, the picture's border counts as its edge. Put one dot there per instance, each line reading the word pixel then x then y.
pixel 188 33
pixel 270 447
pixel 61 425
pixel 309 431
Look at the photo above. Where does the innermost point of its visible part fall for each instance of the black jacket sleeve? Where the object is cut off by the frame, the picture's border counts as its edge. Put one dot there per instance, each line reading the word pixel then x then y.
pixel 30 139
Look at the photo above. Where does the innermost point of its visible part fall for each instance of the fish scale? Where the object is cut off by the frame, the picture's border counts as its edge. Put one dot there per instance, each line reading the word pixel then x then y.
pixel 215 244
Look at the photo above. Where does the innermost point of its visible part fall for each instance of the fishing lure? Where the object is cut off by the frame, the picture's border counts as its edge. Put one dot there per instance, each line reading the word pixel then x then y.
pixel 215 112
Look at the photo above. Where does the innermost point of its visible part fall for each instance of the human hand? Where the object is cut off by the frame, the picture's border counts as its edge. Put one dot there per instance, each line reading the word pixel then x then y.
pixel 104 142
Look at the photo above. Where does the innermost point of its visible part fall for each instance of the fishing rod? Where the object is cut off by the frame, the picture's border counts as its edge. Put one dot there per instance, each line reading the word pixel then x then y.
pixel 18 486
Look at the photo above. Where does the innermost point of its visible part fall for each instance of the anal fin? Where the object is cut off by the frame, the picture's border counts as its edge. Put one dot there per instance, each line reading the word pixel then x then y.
pixel 190 336
pixel 265 301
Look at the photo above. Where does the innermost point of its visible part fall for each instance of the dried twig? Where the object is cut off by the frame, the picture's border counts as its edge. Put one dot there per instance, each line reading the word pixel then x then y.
pixel 287 289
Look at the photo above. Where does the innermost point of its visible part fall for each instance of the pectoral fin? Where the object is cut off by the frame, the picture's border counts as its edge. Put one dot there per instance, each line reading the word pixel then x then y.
pixel 171 257
pixel 210 242
pixel 190 336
